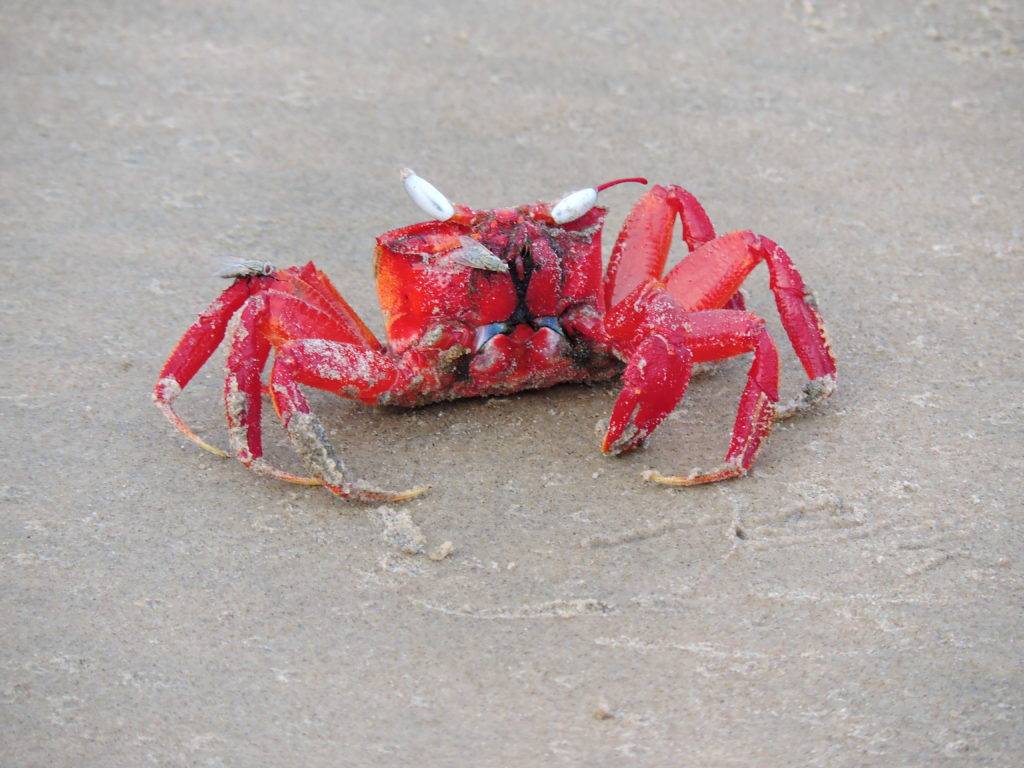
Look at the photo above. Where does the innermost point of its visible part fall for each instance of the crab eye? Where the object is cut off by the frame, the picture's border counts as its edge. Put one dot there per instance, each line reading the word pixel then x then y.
pixel 426 196
pixel 574 205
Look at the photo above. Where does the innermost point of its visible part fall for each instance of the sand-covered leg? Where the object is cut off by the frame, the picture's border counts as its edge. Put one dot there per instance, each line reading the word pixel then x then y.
pixel 344 369
pixel 709 276
pixel 716 335
pixel 191 353
pixel 243 402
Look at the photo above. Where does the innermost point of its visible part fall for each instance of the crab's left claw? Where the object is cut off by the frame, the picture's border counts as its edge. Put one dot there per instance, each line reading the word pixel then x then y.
pixel 662 341
pixel 717 334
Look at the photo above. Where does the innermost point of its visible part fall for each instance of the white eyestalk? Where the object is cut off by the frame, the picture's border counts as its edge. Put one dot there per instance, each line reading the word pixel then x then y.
pixel 574 205
pixel 426 196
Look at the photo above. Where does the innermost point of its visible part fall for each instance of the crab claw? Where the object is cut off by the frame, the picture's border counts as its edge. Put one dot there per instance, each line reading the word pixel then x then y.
pixel 655 380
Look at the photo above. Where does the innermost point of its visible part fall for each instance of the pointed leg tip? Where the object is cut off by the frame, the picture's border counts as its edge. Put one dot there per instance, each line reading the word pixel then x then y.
pixel 814 391
pixel 697 477
pixel 210 448
pixel 369 495
pixel 412 493
pixel 182 427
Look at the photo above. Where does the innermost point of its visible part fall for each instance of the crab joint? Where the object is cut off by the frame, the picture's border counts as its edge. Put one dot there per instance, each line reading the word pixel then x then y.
pixel 426 196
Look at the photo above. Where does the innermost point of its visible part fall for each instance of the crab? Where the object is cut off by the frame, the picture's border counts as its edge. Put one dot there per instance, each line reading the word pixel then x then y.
pixel 491 302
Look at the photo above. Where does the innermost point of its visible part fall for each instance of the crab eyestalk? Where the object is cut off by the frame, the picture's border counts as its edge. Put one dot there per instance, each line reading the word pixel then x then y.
pixel 427 196
pixel 577 203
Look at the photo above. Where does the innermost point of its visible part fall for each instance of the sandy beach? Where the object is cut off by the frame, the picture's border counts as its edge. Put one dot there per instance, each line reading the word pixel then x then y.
pixel 855 601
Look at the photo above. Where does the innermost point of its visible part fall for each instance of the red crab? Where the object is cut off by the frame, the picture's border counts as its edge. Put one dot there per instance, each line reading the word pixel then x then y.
pixel 493 302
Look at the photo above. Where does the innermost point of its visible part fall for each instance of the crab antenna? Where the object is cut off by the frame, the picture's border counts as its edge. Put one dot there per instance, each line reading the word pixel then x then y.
pixel 632 180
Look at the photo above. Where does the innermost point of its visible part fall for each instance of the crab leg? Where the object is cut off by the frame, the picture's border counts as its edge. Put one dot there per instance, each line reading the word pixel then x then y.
pixel 306 286
pixel 716 335
pixel 344 369
pixel 272 317
pixel 250 348
pixel 192 352
pixel 708 276
pixel 643 244
pixel 661 342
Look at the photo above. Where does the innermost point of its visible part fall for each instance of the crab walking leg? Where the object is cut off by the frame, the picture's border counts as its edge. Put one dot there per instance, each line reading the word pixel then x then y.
pixel 191 353
pixel 708 276
pixel 250 348
pixel 717 335
pixel 343 369
pixel 642 247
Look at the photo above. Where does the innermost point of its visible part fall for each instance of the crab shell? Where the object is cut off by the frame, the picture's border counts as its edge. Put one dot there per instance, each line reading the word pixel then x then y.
pixel 551 268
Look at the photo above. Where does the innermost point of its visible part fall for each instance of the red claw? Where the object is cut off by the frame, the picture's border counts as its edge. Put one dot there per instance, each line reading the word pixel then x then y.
pixel 653 383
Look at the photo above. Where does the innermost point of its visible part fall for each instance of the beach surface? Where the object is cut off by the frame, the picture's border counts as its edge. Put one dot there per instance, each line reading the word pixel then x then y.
pixel 855 601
